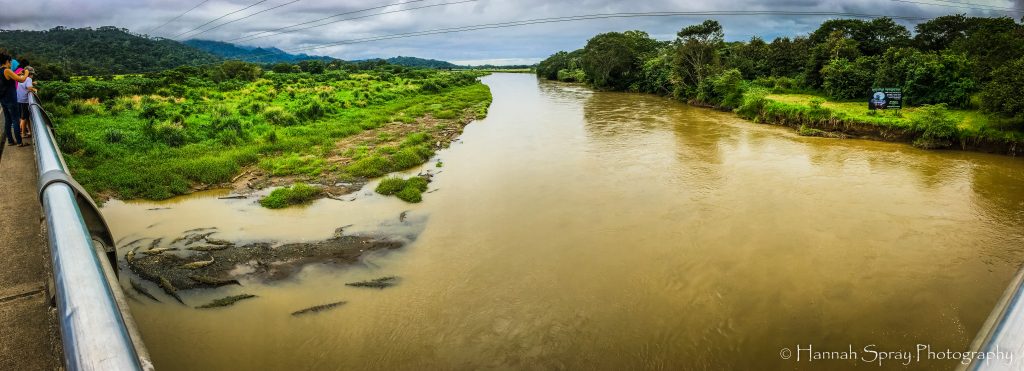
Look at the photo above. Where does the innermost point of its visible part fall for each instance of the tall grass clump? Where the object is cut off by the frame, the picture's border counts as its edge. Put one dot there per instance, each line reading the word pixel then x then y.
pixel 298 194
pixel 408 190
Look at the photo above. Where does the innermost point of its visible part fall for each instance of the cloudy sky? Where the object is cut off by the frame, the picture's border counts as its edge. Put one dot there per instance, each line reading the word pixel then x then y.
pixel 523 44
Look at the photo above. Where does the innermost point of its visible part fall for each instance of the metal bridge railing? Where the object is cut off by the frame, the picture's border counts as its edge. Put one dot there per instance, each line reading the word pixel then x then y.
pixel 1003 332
pixel 96 328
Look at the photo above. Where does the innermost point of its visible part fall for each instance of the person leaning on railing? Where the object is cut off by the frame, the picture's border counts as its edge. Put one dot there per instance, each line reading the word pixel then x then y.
pixel 9 100
pixel 24 89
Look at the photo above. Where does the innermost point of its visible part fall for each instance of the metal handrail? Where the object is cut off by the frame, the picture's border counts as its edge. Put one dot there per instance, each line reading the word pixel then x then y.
pixel 1003 332
pixel 96 330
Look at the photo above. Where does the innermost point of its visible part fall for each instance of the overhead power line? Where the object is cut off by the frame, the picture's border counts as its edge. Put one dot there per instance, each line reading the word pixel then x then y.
pixel 179 16
pixel 325 18
pixel 957 4
pixel 592 17
pixel 219 18
pixel 239 19
pixel 361 17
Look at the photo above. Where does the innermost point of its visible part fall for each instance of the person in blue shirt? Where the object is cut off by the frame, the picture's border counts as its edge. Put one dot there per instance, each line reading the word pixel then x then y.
pixel 24 89
pixel 9 100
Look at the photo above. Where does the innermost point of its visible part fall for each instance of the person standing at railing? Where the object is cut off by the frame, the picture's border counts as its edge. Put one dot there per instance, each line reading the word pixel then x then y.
pixel 24 89
pixel 9 100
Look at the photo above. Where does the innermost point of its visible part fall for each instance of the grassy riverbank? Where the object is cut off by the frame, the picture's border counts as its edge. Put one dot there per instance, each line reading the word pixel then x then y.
pixel 813 115
pixel 184 133
pixel 958 92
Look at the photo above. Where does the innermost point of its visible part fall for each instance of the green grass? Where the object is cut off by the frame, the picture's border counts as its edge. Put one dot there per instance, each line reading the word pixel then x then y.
pixel 971 123
pixel 298 194
pixel 408 190
pixel 199 134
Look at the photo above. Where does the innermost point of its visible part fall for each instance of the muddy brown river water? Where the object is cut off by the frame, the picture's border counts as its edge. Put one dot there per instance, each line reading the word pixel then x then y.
pixel 574 229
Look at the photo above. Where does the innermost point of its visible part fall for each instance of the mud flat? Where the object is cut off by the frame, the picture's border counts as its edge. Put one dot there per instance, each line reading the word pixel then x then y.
pixel 199 260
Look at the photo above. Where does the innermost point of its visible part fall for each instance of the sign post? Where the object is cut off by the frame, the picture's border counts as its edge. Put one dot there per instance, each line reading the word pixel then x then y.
pixel 886 98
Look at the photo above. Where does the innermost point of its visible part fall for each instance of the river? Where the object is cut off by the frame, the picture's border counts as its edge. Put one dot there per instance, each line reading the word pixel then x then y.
pixel 574 229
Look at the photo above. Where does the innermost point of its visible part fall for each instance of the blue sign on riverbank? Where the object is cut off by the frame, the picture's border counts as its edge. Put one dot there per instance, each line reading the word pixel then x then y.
pixel 886 98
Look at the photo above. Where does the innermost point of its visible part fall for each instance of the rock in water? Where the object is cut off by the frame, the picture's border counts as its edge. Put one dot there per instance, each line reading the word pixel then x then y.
pixel 223 302
pixel 318 308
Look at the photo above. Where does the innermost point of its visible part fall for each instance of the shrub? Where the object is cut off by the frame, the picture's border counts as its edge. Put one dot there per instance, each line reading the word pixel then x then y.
pixel 573 75
pixel 753 102
pixel 927 78
pixel 410 194
pixel 278 116
pixel 936 128
pixel 312 111
pixel 1003 95
pixel 113 136
pixel 408 190
pixel 168 132
pixel 69 141
pixel 728 88
pixel 369 166
pixel 724 90
pixel 298 194
pixel 390 185
pixel 847 80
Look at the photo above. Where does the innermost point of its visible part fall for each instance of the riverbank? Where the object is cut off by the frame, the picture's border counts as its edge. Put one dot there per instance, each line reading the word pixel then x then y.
pixel 580 224
pixel 813 116
pixel 336 129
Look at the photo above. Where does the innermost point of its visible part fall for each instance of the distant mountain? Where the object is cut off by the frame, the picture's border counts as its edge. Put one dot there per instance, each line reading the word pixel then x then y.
pixel 420 62
pixel 250 54
pixel 99 51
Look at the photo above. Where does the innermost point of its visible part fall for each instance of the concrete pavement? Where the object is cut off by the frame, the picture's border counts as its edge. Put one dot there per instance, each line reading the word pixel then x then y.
pixel 29 336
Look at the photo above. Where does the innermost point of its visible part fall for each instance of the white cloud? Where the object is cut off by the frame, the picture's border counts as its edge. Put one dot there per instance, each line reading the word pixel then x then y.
pixel 516 43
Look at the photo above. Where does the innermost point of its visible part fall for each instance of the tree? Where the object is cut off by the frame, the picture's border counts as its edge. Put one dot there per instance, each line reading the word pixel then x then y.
pixel 284 68
pixel 657 74
pixel 614 59
pixel 844 79
pixel 788 57
pixel 989 42
pixel 751 58
pixel 697 54
pixel 836 46
pixel 927 77
pixel 231 70
pixel 312 66
pixel 549 67
pixel 873 37
pixel 1003 95
pixel 939 33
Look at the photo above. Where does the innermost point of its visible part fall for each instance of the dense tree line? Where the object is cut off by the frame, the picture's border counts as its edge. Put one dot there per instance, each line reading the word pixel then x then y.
pixel 61 52
pixel 960 61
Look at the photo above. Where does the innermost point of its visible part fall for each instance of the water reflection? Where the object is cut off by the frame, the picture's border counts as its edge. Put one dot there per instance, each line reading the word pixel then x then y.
pixel 586 230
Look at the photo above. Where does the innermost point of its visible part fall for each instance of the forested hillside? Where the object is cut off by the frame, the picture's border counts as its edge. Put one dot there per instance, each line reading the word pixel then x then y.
pixel 250 54
pixel 60 51
pixel 420 62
